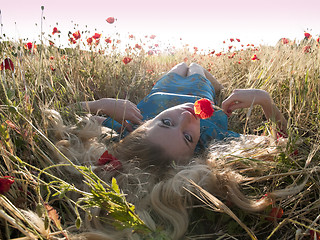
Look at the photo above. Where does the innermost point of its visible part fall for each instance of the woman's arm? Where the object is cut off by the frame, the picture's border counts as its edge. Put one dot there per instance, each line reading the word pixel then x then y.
pixel 119 109
pixel 244 98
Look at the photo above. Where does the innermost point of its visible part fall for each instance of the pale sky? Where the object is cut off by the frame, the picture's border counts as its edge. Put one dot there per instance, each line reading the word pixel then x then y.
pixel 201 23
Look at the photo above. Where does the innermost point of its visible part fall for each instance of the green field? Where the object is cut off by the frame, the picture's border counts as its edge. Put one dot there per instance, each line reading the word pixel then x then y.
pixel 48 77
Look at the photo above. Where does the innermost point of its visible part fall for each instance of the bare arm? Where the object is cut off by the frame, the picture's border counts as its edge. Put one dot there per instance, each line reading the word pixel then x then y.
pixel 244 98
pixel 119 109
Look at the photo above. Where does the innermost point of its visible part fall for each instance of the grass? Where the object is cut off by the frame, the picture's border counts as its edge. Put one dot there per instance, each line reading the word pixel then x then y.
pixel 49 77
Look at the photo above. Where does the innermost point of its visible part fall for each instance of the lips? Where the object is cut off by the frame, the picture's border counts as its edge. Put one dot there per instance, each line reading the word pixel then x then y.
pixel 191 110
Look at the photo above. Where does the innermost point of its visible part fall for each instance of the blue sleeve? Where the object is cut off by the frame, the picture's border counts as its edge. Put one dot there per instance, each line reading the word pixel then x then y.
pixel 111 123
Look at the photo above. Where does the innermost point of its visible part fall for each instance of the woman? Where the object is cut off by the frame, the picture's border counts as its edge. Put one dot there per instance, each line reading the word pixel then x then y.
pixel 170 122
pixel 157 167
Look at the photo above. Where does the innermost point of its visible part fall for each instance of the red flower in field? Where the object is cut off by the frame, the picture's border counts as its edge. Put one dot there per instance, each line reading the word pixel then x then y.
pixel 219 54
pixel 274 214
pixel 224 41
pixel 314 235
pixel 284 40
pixel 230 47
pixel 110 20
pixel 72 40
pixel 254 58
pixel 7 64
pixel 112 162
pixel 76 35
pixel 212 52
pixel 137 46
pixel 55 30
pixel 203 108
pixel 150 52
pixel 126 60
pixel 307 35
pixel 232 55
pixel 238 40
pixel 89 41
pixel 51 43
pixel 318 40
pixel 306 49
pixel 51 58
pixel 5 184
pixel 153 36
pixel 29 45
pixel 231 39
pixel 52 68
pixel 96 36
pixel 108 40
pixel 97 42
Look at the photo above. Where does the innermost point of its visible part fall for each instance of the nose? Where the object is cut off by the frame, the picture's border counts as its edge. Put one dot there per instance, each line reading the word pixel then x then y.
pixel 186 118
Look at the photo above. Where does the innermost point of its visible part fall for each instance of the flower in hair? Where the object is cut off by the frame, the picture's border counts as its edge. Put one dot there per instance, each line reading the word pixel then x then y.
pixel 203 108
pixel 111 162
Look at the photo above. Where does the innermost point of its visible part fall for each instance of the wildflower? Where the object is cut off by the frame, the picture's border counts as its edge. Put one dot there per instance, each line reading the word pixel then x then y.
pixel 219 54
pixel 112 162
pixel 7 64
pixel 108 40
pixel 126 60
pixel 254 58
pixel 150 52
pixel 97 42
pixel 203 108
pixel 137 46
pixel 96 36
pixel 51 58
pixel 131 36
pixel 318 40
pixel 231 39
pixel 284 40
pixel 156 45
pixel 212 52
pixel 306 49
pixel 232 55
pixel 275 213
pixel 55 30
pixel 230 47
pixel 52 68
pixel 89 41
pixel 76 35
pixel 110 20
pixel 5 184
pixel 51 43
pixel 118 41
pixel 72 40
pixel 307 35
pixel 238 40
pixel 29 45
pixel 195 49
pixel 153 36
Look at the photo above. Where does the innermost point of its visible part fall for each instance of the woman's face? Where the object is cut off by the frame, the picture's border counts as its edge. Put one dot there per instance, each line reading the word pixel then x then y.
pixel 177 130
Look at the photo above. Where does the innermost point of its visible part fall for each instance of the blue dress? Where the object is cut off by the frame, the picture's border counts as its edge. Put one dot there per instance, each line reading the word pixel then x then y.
pixel 173 89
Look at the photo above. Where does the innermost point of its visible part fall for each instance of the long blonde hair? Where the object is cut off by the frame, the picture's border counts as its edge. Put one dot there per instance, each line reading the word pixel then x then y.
pixel 162 192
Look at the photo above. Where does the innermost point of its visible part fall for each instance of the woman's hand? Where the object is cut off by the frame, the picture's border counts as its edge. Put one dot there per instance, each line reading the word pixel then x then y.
pixel 244 98
pixel 120 110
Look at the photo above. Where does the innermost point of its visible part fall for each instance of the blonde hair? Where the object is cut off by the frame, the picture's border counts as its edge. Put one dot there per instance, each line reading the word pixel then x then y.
pixel 163 193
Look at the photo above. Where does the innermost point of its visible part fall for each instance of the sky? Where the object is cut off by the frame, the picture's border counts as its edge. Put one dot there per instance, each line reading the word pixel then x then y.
pixel 201 23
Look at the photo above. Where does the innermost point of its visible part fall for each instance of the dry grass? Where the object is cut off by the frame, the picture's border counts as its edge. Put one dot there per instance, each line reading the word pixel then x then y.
pixel 288 73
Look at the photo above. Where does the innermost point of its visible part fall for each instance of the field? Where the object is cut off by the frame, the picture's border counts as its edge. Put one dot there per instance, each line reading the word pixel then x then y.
pixel 38 77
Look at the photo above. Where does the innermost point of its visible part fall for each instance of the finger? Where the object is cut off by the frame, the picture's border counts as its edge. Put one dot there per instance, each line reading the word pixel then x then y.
pixel 127 126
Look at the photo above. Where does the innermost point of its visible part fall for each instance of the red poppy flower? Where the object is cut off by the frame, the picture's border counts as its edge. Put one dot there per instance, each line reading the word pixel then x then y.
pixel 5 184
pixel 238 40
pixel 55 30
pixel 137 46
pixel 51 43
pixel 219 54
pixel 231 39
pixel 89 41
pixel 72 40
pixel 212 52
pixel 51 58
pixel 108 159
pixel 230 47
pixel 96 36
pixel 203 108
pixel 306 49
pixel 275 213
pixel 7 64
pixel 110 20
pixel 307 35
pixel 285 41
pixel 254 58
pixel 126 60
pixel 108 40
pixel 153 36
pixel 131 36
pixel 29 45
pixel 76 35
pixel 52 68
pixel 318 39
